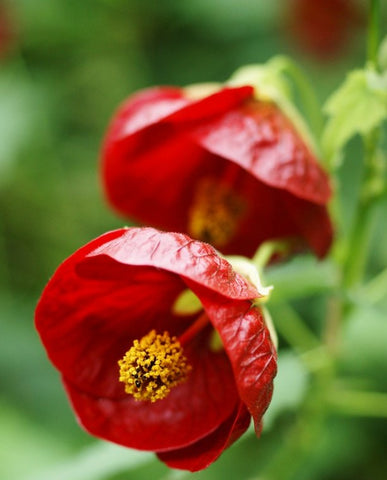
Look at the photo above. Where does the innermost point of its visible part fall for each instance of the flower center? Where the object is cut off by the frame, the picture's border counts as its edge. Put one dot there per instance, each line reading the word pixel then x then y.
pixel 152 366
pixel 215 212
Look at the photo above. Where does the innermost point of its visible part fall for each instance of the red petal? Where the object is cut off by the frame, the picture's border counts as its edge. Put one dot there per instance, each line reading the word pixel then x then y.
pixel 198 141
pixel 264 220
pixel 147 146
pixel 88 314
pixel 143 109
pixel 248 345
pixel 160 166
pixel 204 452
pixel 179 254
pixel 190 412
pixel 169 105
pixel 216 104
pixel 259 138
pixel 276 214
pixel 115 289
pixel 85 322
pixel 313 222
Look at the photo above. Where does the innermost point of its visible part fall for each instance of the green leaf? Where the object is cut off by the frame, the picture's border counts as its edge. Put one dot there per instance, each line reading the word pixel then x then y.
pixel 272 84
pixel 382 54
pixel 358 106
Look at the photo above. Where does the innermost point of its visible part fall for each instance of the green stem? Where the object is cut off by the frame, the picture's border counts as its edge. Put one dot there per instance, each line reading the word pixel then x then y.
pixel 373 32
pixel 5 274
pixel 376 289
pixel 307 94
pixel 302 277
pixel 303 434
pixel 358 245
pixel 293 329
pixel 355 403
pixel 331 332
pixel 266 251
pixel 359 240
pixel 312 353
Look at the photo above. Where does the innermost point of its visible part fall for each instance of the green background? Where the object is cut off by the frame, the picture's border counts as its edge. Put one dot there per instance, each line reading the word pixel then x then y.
pixel 70 65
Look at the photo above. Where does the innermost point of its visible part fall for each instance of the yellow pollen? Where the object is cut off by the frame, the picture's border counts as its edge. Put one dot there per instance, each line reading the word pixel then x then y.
pixel 215 212
pixel 153 366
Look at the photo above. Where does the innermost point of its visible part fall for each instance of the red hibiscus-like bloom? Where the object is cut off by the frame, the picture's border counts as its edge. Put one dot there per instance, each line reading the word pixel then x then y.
pixel 140 373
pixel 323 28
pixel 227 169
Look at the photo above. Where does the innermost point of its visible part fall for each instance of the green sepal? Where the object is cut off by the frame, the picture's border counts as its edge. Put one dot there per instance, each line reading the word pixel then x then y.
pixel 187 303
pixel 271 83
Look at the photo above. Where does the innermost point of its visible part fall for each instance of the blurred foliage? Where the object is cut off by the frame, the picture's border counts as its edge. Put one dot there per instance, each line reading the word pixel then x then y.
pixel 69 64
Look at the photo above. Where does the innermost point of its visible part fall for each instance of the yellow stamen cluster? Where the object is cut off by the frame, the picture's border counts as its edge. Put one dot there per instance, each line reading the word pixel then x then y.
pixel 152 366
pixel 215 212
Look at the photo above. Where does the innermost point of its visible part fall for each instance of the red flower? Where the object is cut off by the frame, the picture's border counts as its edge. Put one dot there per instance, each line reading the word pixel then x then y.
pixel 323 28
pixel 227 169
pixel 173 391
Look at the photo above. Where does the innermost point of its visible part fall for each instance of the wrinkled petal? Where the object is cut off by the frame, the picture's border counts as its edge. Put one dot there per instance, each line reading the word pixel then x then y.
pixel 179 254
pixel 202 453
pixel 247 343
pixel 260 138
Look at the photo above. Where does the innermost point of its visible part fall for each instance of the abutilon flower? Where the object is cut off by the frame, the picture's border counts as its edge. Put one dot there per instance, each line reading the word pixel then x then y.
pixel 227 168
pixel 323 28
pixel 143 373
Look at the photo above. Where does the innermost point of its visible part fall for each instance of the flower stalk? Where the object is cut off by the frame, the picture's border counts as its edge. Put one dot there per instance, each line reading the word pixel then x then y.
pixel 308 96
pixel 359 404
pixel 358 245
pixel 373 32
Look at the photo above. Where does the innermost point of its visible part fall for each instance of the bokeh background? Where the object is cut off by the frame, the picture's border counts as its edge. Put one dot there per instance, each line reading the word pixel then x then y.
pixel 65 65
